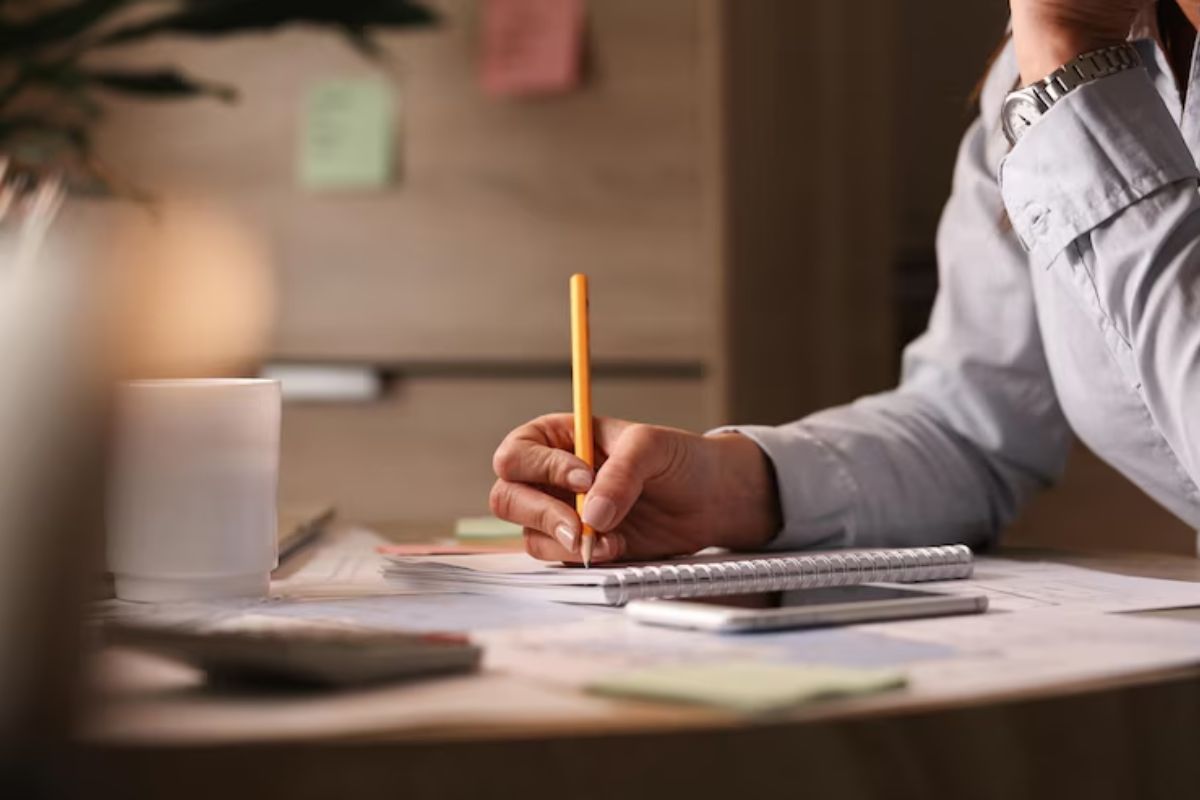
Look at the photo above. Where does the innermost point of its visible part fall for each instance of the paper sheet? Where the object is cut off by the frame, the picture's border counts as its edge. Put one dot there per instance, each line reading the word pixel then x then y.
pixel 342 583
pixel 746 686
pixel 347 564
pixel 605 643
pixel 943 657
pixel 531 46
pixel 1031 585
pixel 1045 629
pixel 346 138
pixel 1021 650
pixel 439 612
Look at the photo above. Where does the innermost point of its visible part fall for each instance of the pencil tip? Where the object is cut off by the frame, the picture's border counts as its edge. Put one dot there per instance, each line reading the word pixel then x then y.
pixel 585 548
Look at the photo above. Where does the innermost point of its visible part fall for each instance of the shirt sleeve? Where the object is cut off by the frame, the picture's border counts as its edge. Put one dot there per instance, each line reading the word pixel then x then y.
pixel 974 427
pixel 1104 189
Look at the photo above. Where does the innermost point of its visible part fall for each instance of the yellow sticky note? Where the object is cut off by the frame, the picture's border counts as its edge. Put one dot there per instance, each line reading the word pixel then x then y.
pixel 746 686
pixel 485 528
pixel 346 137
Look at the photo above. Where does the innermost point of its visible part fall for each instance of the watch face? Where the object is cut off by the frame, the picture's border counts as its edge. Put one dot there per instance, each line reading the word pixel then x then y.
pixel 1019 113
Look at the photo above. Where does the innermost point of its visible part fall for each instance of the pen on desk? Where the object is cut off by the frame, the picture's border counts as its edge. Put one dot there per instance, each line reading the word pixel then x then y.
pixel 581 390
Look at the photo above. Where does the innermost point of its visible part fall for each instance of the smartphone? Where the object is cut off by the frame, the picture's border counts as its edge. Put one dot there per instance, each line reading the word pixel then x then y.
pixel 802 608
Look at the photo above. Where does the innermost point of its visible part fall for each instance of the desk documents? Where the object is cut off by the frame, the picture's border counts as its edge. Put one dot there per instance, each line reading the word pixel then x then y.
pixel 1048 625
pixel 704 574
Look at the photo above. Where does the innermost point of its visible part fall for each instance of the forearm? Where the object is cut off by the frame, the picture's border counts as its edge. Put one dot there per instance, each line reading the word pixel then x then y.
pixel 975 428
pixel 1102 190
pixel 743 506
pixel 1044 42
pixel 888 471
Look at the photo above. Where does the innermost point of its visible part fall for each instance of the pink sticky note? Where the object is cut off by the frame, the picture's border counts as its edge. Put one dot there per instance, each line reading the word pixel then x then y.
pixel 532 47
pixel 443 549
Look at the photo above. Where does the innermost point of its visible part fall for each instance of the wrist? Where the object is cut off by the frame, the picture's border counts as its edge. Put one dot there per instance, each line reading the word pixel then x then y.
pixel 1042 48
pixel 745 510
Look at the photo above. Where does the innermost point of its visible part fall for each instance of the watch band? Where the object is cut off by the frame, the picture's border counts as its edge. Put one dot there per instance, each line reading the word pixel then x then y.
pixel 1084 68
pixel 1064 80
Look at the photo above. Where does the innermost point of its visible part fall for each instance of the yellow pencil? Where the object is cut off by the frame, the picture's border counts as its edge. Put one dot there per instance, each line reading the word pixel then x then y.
pixel 581 385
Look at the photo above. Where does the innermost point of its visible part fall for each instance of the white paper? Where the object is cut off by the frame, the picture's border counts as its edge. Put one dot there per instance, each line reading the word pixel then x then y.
pixel 577 654
pixel 1046 628
pixel 347 564
pixel 427 613
pixel 943 657
pixel 1021 650
pixel 1024 586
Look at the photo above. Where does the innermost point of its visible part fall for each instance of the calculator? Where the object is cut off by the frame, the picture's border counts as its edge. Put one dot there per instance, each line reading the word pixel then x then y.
pixel 317 655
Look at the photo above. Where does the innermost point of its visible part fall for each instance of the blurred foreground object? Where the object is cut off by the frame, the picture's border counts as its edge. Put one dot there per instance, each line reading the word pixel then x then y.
pixel 53 411
pixel 52 84
pixel 89 293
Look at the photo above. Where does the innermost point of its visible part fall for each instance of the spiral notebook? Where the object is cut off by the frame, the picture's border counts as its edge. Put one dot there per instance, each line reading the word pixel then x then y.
pixel 704 574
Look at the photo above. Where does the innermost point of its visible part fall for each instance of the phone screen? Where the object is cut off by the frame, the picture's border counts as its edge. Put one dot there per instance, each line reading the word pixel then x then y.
pixel 809 597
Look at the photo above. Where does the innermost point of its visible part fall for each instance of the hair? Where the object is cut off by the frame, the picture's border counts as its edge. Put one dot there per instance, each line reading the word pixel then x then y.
pixel 976 95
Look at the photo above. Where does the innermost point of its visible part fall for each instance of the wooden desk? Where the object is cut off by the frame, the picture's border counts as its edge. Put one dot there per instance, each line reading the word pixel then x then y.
pixel 1135 737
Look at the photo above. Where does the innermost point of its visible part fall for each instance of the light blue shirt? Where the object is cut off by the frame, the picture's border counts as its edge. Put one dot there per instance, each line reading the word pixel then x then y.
pixel 1081 316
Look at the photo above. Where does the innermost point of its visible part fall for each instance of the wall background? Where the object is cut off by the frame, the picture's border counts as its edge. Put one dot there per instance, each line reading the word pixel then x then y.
pixel 754 186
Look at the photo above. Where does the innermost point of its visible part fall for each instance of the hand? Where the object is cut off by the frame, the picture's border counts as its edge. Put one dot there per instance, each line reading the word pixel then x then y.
pixel 658 492
pixel 1049 33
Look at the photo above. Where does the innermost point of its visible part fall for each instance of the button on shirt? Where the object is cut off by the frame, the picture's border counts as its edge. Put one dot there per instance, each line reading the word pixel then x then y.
pixel 1069 301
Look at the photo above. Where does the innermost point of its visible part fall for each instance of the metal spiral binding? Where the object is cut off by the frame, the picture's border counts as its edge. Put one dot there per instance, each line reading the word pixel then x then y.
pixel 778 573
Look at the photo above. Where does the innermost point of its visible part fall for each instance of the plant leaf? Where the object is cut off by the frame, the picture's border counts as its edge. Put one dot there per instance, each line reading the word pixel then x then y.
pixel 30 128
pixel 362 41
pixel 57 25
pixel 165 83
pixel 223 17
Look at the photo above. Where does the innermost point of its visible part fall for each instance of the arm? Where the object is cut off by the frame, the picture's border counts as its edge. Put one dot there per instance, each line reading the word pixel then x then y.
pixel 972 431
pixel 974 428
pixel 1104 189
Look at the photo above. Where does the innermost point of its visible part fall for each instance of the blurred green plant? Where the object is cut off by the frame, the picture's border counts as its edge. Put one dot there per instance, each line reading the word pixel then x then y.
pixel 52 92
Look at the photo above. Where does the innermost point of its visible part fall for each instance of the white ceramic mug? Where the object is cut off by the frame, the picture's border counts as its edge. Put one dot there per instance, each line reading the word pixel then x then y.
pixel 192 501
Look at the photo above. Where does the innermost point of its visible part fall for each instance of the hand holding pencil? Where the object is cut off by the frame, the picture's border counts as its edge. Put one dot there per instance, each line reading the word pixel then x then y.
pixel 595 489
pixel 581 393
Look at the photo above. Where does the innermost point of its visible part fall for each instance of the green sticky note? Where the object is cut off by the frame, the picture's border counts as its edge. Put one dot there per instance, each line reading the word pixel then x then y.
pixel 745 686
pixel 346 141
pixel 485 528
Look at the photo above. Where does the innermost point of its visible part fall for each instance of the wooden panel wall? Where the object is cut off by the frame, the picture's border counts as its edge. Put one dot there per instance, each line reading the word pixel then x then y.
pixel 942 52
pixel 808 214
pixel 425 453
pixel 455 277
pixel 1096 508
pixel 466 258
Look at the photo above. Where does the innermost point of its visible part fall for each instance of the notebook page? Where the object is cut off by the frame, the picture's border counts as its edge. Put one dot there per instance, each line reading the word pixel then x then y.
pixel 706 573
pixel 511 568
pixel 524 569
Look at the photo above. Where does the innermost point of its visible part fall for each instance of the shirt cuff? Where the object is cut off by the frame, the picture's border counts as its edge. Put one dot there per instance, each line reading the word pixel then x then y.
pixel 816 490
pixel 1100 149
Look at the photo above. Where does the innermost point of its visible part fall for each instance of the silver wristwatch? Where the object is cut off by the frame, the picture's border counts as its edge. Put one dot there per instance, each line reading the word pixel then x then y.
pixel 1026 106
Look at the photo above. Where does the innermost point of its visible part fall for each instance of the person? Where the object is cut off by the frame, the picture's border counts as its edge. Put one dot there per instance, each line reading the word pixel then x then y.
pixel 1069 302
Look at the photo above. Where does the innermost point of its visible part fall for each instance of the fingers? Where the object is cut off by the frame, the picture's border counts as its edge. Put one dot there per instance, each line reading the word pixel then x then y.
pixel 639 453
pixel 609 547
pixel 534 509
pixel 533 453
pixel 537 453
